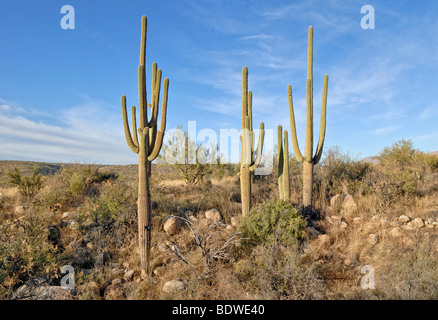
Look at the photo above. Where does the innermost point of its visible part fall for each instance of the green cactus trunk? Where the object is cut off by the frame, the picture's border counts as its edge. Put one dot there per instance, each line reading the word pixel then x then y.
pixel 146 141
pixel 248 161
pixel 283 164
pixel 309 160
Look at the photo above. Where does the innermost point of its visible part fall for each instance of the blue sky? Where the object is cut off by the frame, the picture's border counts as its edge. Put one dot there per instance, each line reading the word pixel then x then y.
pixel 60 89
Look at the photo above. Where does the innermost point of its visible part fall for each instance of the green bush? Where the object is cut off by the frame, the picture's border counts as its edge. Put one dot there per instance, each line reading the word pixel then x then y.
pixel 274 221
pixel 77 184
pixel 28 186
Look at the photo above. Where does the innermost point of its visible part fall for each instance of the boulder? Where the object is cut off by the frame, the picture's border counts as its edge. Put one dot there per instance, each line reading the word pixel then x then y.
pixel 418 223
pixel 373 239
pixel 175 286
pixel 345 203
pixel 19 209
pixel 404 219
pixel 213 215
pixel 128 275
pixel 172 226
pixel 235 221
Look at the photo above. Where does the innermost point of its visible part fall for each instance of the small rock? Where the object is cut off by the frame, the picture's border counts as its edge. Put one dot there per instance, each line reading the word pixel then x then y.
pixel 128 275
pixel 357 220
pixel 125 265
pixel 214 215
pixel 343 225
pixel 193 219
pixel 19 210
pixel 117 281
pixel 404 219
pixel 235 221
pixel 373 239
pixel 74 225
pixel 90 246
pixel 66 215
pixel 175 286
pixel 172 226
pixel 418 223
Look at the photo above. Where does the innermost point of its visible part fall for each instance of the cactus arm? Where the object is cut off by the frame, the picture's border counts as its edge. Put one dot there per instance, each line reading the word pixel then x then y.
pixel 308 149
pixel 286 184
pixel 158 143
pixel 310 55
pixel 134 126
pixel 293 129
pixel 259 150
pixel 142 96
pixel 323 122
pixel 244 95
pixel 280 160
pixel 128 136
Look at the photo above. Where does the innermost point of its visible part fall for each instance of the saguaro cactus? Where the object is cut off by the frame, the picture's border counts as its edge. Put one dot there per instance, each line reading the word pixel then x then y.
pixel 283 164
pixel 248 161
pixel 309 160
pixel 146 141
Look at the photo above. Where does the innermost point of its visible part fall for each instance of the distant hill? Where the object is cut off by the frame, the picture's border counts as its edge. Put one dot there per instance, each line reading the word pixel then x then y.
pixel 47 169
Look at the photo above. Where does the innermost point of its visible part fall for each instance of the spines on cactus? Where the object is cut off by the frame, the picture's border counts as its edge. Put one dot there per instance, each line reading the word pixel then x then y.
pixel 146 140
pixel 309 159
pixel 250 158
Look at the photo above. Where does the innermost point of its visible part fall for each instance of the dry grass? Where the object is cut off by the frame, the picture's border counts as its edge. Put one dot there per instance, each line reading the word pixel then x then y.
pixel 326 265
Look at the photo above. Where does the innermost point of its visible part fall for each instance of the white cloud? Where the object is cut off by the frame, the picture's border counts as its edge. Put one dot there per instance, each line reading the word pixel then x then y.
pixel 88 132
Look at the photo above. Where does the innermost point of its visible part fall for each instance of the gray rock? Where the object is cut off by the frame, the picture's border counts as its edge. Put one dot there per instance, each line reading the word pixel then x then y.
pixel 213 215
pixel 373 239
pixel 175 286
pixel 19 209
pixel 128 275
pixel 418 223
pixel 172 226
pixel 404 219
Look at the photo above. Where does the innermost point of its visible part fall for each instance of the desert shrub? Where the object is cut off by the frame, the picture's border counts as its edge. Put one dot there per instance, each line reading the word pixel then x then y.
pixel 85 179
pixel 339 173
pixel 275 271
pixel 109 205
pixel 25 251
pixel 275 220
pixel 77 185
pixel 401 153
pixel 401 172
pixel 194 162
pixel 28 186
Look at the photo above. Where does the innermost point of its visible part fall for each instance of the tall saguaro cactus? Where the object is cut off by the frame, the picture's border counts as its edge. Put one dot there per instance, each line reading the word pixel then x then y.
pixel 283 164
pixel 248 161
pixel 146 141
pixel 309 160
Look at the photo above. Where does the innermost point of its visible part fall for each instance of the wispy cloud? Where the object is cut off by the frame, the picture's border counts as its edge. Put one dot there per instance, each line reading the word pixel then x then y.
pixel 80 134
